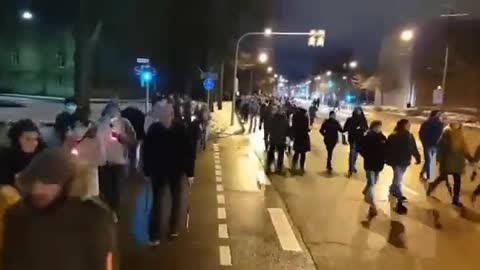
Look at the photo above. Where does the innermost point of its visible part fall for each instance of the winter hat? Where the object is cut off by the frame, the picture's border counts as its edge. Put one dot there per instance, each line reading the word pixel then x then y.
pixel 52 166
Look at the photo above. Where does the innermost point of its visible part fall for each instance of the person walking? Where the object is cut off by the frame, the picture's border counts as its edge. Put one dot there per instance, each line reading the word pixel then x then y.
pixel 263 114
pixel 253 111
pixel 452 153
pixel 429 134
pixel 301 140
pixel 267 124
pixel 401 147
pixel 475 161
pixel 48 229
pixel 25 143
pixel 278 131
pixel 373 149
pixel 330 130
pixel 114 174
pixel 312 113
pixel 355 126
pixel 167 160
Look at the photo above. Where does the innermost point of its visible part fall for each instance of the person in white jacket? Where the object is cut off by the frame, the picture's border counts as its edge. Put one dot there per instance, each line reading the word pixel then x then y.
pixel 118 141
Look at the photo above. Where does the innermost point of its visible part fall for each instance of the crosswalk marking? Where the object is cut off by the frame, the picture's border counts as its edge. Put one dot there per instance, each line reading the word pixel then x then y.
pixel 284 231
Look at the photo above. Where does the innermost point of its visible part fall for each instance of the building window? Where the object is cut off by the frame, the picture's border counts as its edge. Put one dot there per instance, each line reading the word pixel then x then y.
pixel 15 57
pixel 60 80
pixel 60 60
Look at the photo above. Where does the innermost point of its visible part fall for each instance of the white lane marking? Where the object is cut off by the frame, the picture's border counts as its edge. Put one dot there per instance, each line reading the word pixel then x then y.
pixel 218 167
pixel 217 162
pixel 219 179
pixel 220 199
pixel 218 173
pixel 262 178
pixel 225 256
pixel 223 231
pixel 284 231
pixel 221 213
pixel 219 188
pixel 409 190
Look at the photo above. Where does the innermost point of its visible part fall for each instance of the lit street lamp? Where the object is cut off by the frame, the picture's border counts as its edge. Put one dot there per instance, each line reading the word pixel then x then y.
pixel 268 32
pixel 263 57
pixel 275 76
pixel 329 73
pixel 407 35
pixel 344 78
pixel 353 64
pixel 270 69
pixel 27 15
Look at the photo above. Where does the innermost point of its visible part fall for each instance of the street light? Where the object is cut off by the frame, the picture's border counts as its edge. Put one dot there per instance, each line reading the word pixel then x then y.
pixel 407 35
pixel 329 73
pixel 353 64
pixel 344 78
pixel 275 76
pixel 270 69
pixel 27 15
pixel 262 57
pixel 268 32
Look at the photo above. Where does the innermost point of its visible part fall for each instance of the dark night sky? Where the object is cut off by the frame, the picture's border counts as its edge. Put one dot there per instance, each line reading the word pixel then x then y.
pixel 356 24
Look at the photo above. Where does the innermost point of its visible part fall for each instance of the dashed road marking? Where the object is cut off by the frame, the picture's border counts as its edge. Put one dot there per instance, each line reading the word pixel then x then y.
pixel 219 179
pixel 225 256
pixel 284 231
pixel 217 161
pixel 218 173
pixel 220 188
pixel 220 199
pixel 218 167
pixel 221 213
pixel 223 231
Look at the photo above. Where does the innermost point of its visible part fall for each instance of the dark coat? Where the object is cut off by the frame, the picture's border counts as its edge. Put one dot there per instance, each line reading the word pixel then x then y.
pixel 13 162
pixel 373 149
pixel 137 119
pixel 278 129
pixel 300 130
pixel 355 126
pixel 70 235
pixel 330 130
pixel 167 153
pixel 401 146
pixel 430 132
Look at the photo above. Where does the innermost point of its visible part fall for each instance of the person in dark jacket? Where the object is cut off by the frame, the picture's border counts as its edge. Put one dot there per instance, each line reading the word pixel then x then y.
pixel 267 123
pixel 430 132
pixel 373 149
pixel 452 153
pixel 355 126
pixel 475 161
pixel 401 146
pixel 25 143
pixel 312 113
pixel 330 130
pixel 167 162
pixel 49 229
pixel 278 132
pixel 301 139
pixel 66 119
pixel 263 113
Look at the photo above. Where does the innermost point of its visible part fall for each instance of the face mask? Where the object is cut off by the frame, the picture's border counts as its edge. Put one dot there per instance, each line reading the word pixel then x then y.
pixel 70 108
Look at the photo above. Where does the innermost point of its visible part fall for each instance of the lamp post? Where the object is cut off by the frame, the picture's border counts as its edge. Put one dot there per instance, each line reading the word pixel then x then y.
pixel 315 35
pixel 27 15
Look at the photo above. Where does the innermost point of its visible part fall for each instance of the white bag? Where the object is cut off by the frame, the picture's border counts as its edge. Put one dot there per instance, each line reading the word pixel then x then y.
pixel 434 170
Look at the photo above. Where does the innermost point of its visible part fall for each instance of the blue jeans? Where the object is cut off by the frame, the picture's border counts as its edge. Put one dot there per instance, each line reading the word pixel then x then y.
pixel 352 158
pixel 396 187
pixel 428 153
pixel 372 179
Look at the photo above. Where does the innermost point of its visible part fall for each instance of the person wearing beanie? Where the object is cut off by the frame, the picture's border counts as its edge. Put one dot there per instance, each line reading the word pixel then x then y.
pixel 48 229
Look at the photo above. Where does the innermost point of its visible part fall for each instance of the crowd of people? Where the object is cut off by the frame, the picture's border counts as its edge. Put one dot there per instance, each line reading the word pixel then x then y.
pixel 286 125
pixel 61 193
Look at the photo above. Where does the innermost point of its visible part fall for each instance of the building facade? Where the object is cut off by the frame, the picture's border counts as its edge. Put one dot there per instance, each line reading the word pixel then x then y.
pixel 410 70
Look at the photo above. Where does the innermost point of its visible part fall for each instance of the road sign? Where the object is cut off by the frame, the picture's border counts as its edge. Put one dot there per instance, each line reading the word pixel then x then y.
pixel 209 84
pixel 317 38
pixel 438 96
pixel 143 60
pixel 209 75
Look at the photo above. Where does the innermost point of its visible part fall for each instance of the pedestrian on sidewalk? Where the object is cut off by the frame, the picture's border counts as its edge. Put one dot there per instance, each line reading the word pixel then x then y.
pixel 452 153
pixel 278 132
pixel 254 112
pixel 301 140
pixel 475 165
pixel 401 147
pixel 312 113
pixel 373 149
pixel 114 174
pixel 267 122
pixel 48 229
pixel 355 126
pixel 330 130
pixel 167 161
pixel 430 132
pixel 263 113
pixel 25 143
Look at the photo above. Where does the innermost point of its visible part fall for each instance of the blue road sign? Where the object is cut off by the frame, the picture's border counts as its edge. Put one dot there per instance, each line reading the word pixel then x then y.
pixel 209 84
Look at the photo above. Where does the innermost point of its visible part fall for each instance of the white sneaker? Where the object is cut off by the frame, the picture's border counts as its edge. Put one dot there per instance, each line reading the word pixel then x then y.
pixel 155 243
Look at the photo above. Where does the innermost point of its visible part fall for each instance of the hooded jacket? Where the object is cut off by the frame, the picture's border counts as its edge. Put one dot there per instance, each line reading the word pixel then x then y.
pixel 356 126
pixel 430 132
